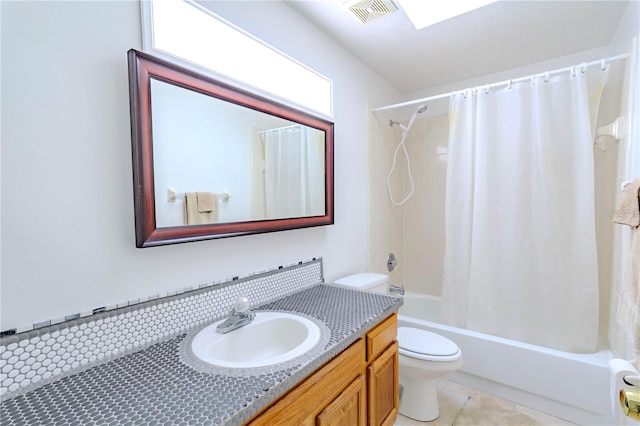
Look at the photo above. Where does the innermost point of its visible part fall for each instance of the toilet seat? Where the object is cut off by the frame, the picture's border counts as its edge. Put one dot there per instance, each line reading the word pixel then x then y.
pixel 425 345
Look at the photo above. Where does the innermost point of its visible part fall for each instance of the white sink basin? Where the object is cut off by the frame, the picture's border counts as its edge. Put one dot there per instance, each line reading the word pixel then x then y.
pixel 271 338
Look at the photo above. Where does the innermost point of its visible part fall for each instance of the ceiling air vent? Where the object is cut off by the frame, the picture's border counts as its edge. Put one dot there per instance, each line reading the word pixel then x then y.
pixel 368 10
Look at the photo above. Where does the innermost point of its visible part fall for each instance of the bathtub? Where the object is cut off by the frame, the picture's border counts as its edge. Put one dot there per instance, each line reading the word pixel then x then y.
pixel 574 387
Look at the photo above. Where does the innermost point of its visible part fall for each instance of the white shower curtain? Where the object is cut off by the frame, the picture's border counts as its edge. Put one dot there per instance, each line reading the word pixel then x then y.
pixel 294 172
pixel 520 257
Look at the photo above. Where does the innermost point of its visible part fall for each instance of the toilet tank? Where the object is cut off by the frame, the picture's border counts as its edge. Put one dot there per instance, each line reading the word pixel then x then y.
pixel 369 281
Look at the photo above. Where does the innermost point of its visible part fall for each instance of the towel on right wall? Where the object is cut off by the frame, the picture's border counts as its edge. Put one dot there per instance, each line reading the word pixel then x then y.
pixel 628 213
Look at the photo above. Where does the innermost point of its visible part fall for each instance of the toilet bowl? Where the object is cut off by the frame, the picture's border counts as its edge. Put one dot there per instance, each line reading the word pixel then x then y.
pixel 424 357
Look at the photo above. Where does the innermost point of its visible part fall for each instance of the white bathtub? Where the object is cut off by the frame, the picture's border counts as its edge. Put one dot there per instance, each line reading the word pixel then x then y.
pixel 574 387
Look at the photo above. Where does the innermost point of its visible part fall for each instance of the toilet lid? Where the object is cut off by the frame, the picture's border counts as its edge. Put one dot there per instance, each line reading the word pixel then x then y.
pixel 425 342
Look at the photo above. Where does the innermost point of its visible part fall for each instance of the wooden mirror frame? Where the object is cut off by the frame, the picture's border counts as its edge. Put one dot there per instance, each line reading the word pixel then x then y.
pixel 142 67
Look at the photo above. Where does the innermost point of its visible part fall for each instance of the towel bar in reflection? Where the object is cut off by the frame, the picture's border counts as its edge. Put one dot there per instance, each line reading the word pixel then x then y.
pixel 173 195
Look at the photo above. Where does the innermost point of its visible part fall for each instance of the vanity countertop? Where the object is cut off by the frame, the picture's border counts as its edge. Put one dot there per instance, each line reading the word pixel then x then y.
pixel 153 386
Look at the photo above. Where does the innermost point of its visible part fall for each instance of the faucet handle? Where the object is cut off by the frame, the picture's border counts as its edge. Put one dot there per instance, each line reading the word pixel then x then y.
pixel 241 306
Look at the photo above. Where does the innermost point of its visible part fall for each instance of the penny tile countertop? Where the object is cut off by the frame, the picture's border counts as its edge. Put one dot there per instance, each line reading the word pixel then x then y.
pixel 154 386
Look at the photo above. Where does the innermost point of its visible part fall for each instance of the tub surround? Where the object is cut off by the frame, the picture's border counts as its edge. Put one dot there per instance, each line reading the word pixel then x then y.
pixel 152 385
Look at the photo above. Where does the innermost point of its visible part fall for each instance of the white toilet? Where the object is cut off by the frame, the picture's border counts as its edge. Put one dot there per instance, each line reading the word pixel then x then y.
pixel 424 356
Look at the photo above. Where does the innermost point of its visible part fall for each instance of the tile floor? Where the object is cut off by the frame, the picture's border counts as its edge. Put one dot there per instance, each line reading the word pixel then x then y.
pixel 463 406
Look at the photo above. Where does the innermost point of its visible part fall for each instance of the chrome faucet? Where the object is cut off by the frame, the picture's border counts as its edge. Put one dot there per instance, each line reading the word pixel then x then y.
pixel 396 289
pixel 239 316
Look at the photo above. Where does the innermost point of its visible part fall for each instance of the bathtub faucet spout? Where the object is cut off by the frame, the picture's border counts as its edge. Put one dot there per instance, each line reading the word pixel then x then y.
pixel 396 289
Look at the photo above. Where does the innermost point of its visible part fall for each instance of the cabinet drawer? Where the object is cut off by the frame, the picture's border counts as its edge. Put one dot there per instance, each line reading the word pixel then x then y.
pixel 381 337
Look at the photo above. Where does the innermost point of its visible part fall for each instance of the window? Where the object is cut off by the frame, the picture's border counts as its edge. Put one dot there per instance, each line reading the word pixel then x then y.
pixel 423 13
pixel 186 30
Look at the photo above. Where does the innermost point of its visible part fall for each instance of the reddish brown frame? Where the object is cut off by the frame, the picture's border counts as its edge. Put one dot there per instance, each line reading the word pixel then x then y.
pixel 142 67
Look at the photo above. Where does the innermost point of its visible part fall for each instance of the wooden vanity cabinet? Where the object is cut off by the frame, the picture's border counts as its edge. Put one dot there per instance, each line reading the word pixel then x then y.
pixel 358 387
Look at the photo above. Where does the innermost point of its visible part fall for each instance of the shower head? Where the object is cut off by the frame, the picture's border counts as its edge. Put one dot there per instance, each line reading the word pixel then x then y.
pixel 420 110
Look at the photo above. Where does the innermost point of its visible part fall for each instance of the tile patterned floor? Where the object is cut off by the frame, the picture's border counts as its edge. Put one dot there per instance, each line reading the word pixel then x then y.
pixel 463 406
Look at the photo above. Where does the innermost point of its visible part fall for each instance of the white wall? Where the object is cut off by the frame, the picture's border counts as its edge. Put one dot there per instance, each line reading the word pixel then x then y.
pixel 67 205
pixel 628 28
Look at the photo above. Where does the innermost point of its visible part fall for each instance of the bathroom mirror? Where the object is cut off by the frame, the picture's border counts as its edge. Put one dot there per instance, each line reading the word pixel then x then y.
pixel 211 160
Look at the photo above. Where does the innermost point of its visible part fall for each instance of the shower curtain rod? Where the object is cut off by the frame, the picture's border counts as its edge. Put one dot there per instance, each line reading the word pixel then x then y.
pixel 280 129
pixel 603 63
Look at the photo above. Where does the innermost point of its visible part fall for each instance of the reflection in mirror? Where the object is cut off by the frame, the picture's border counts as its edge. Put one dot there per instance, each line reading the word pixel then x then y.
pixel 273 167
pixel 213 161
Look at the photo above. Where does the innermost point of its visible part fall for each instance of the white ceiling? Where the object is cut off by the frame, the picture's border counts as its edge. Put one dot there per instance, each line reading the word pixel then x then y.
pixel 501 36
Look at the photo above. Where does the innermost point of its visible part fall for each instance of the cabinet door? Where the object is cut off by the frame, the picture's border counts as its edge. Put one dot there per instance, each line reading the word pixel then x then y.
pixel 383 395
pixel 348 409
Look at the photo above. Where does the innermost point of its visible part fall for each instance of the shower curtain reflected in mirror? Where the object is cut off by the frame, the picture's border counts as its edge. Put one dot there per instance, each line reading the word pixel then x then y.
pixel 520 257
pixel 294 172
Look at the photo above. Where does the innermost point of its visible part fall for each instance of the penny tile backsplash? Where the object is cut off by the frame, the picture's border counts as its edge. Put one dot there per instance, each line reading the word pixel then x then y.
pixel 33 358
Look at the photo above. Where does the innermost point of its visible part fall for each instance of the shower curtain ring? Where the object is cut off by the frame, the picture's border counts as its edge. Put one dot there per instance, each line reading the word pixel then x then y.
pixel 573 71
pixel 603 65
pixel 533 79
pixel 584 67
pixel 546 76
pixel 509 84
